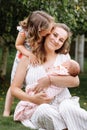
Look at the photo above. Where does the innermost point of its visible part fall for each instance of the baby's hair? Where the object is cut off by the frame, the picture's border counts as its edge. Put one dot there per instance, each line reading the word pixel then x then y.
pixel 74 68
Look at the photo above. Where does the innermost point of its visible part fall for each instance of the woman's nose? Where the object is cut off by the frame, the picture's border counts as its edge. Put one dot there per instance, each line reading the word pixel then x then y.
pixel 49 32
pixel 57 40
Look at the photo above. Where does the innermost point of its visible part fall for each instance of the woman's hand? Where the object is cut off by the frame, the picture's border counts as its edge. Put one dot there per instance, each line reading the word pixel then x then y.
pixel 40 98
pixel 43 84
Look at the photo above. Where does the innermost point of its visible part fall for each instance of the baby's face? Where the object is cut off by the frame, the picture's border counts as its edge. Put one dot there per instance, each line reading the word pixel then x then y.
pixel 66 64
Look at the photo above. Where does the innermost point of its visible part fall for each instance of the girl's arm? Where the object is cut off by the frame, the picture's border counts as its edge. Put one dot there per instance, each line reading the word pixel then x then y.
pixel 20 46
pixel 20 40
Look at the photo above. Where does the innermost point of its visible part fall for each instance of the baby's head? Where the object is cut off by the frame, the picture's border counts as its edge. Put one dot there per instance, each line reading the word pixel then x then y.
pixel 72 66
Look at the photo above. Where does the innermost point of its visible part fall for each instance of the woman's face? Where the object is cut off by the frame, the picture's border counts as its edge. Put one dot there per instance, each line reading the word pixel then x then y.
pixel 56 38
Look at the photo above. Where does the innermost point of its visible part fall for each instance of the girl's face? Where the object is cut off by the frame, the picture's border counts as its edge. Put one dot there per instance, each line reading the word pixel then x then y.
pixel 56 38
pixel 47 31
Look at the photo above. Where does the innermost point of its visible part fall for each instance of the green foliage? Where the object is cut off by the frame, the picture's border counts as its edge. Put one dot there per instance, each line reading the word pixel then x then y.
pixel 73 13
pixel 11 12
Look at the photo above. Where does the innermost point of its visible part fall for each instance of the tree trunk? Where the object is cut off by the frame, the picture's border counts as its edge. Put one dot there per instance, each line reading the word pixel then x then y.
pixel 79 51
pixel 3 66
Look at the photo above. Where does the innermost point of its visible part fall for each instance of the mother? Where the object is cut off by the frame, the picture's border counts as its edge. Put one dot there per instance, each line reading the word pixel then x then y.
pixel 53 116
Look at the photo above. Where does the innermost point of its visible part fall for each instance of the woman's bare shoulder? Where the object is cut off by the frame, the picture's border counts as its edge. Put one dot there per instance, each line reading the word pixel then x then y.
pixel 24 61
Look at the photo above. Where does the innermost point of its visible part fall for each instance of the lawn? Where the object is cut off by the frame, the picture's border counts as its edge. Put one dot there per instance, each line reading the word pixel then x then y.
pixel 7 123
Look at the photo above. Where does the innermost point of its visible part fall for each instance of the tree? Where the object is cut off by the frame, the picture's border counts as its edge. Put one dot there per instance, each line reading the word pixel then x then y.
pixel 73 13
pixel 9 14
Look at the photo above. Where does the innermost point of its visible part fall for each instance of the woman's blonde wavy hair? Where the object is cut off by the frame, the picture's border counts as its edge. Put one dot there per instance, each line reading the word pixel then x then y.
pixel 39 50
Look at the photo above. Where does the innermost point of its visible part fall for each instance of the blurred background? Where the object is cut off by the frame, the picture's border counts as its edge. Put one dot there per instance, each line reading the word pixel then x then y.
pixel 71 12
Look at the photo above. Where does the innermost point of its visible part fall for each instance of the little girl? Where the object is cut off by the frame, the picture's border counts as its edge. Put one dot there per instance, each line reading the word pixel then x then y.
pixel 37 25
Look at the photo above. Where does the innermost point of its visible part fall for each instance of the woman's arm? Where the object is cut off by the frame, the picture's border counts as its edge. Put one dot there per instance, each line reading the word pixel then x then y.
pixel 18 81
pixel 57 80
pixel 65 81
pixel 20 44
pixel 60 81
pixel 19 78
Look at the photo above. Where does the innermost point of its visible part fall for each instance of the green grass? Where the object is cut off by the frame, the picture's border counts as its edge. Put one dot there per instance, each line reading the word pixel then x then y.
pixel 81 91
pixel 7 123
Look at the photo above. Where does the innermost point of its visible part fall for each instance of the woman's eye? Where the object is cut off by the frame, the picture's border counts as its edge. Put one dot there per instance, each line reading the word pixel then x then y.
pixel 61 40
pixel 55 34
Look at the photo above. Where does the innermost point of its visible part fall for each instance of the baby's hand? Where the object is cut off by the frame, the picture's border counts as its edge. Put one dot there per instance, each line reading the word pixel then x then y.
pixel 33 59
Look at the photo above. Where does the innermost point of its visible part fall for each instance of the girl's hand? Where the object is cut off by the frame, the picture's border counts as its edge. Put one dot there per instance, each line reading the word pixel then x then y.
pixel 41 98
pixel 33 59
pixel 43 84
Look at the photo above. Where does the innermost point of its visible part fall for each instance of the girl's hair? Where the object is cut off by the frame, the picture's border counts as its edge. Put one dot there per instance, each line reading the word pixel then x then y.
pixel 36 22
pixel 23 23
pixel 39 50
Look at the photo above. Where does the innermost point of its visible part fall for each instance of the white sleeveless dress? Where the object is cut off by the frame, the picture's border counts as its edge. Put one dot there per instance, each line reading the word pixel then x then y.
pixel 35 73
pixel 63 112
pixel 25 109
